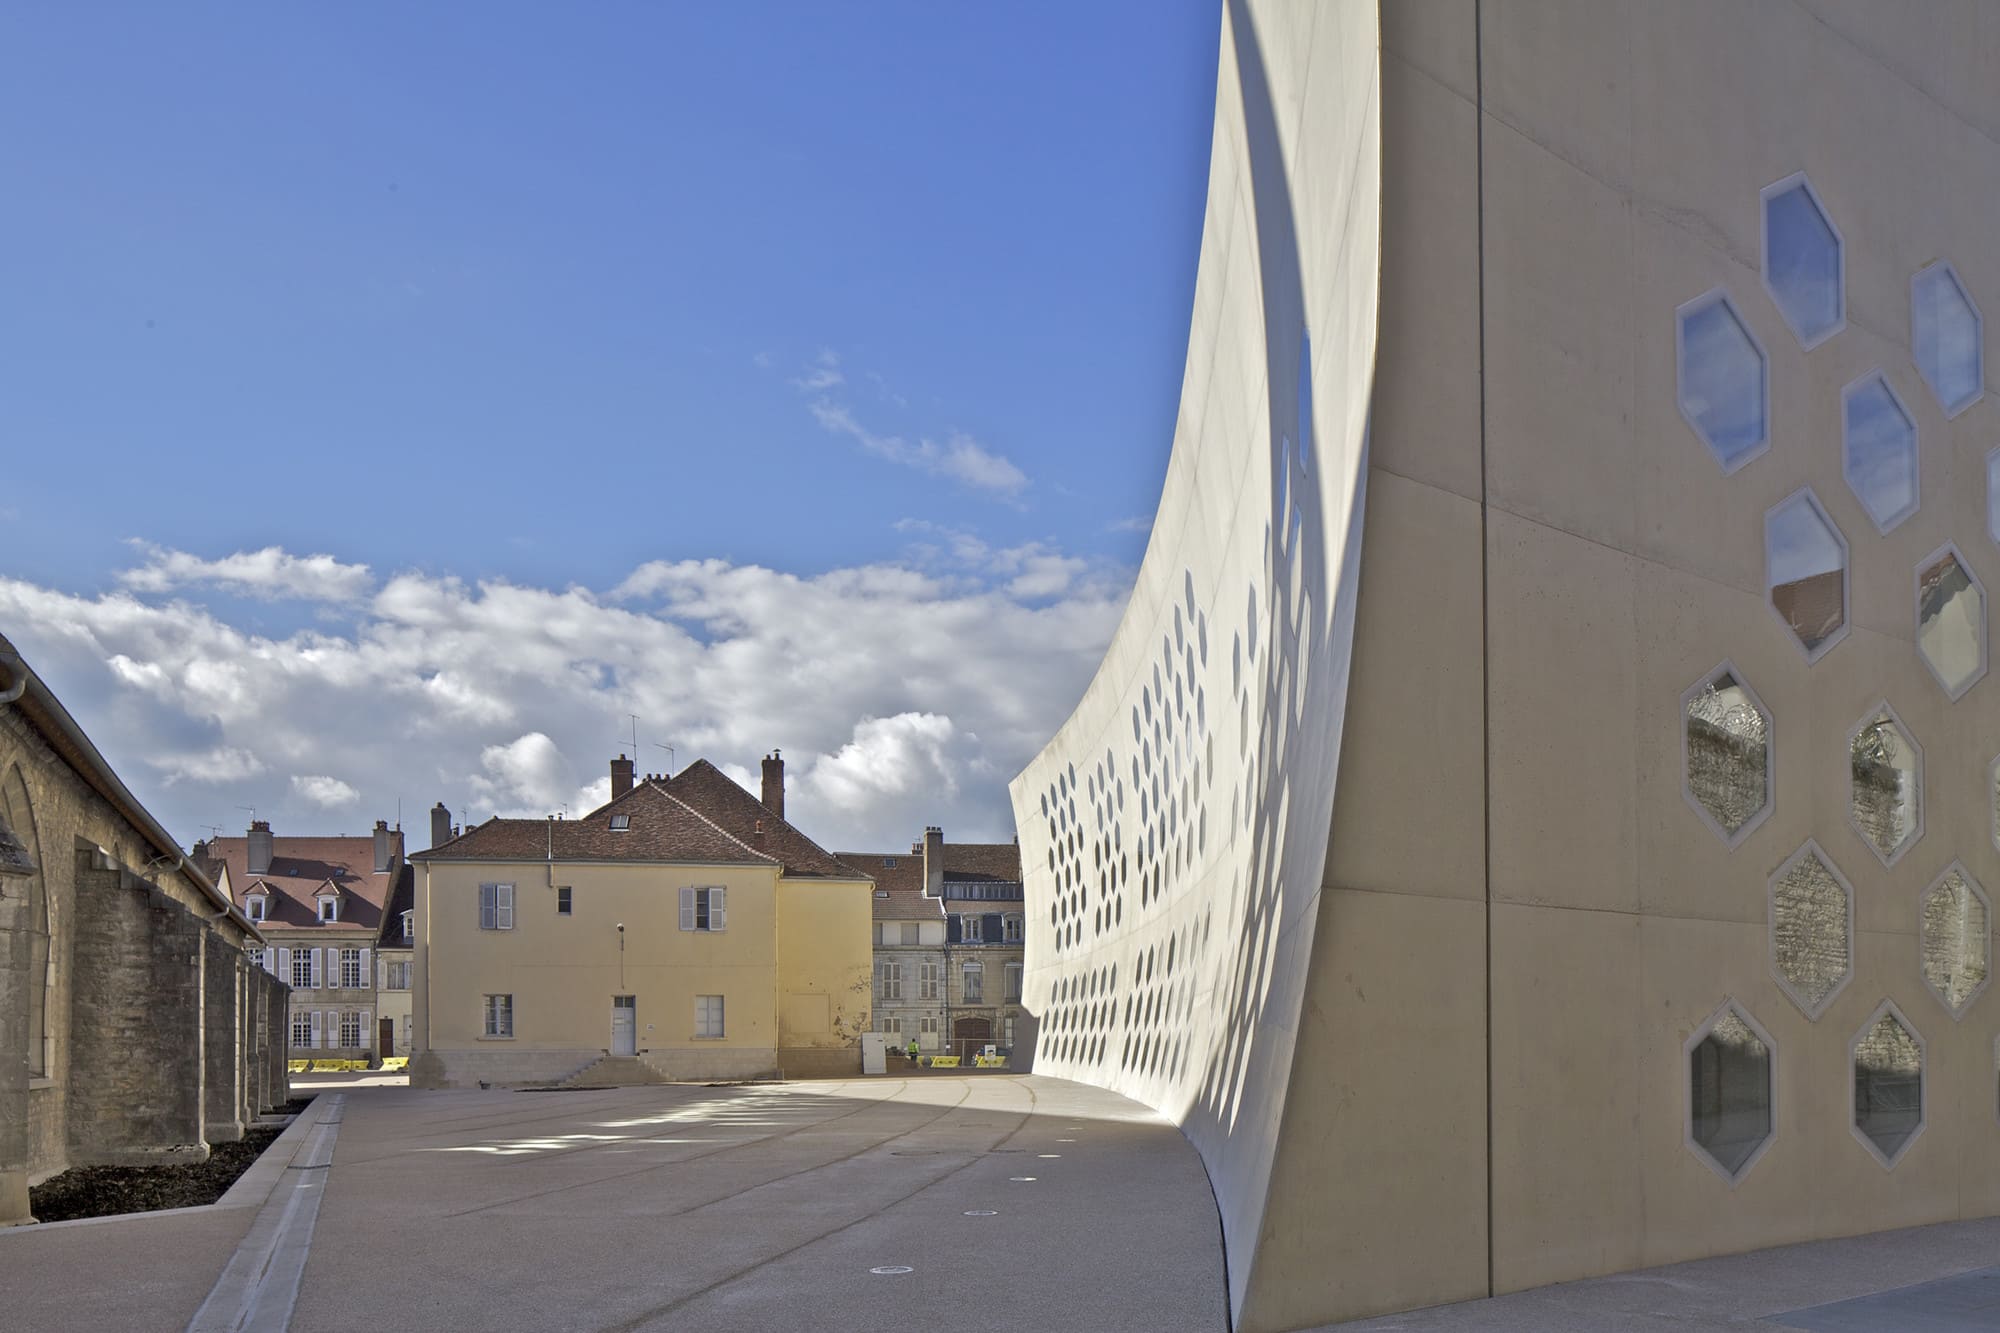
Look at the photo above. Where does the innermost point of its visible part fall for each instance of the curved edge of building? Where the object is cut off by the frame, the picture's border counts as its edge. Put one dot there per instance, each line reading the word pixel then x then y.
pixel 1174 833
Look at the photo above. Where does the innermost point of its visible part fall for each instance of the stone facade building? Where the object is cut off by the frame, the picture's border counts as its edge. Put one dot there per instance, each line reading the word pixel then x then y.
pixel 948 943
pixel 133 1027
pixel 321 904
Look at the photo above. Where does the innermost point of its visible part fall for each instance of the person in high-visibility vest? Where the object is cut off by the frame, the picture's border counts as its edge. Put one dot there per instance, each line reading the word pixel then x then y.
pixel 913 1050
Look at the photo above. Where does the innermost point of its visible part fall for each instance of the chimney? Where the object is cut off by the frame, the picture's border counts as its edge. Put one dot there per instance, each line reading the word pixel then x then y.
pixel 260 847
pixel 440 825
pixel 934 862
pixel 383 847
pixel 774 784
pixel 621 776
pixel 757 836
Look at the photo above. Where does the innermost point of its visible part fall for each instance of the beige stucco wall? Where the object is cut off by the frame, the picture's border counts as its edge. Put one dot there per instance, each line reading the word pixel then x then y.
pixel 825 969
pixel 564 971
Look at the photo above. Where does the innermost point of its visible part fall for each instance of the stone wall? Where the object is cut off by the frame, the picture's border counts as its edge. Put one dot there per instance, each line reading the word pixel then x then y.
pixel 136 1068
pixel 130 1026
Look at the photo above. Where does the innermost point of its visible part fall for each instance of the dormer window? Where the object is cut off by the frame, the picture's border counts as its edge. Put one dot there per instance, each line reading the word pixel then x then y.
pixel 329 907
pixel 409 928
pixel 888 863
pixel 621 823
pixel 253 907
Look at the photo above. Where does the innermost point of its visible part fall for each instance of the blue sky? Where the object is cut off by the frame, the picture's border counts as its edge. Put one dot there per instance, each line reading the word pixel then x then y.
pixel 823 315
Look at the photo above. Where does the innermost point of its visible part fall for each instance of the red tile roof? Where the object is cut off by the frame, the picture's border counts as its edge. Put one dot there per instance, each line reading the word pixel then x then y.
pixel 710 790
pixel 300 870
pixel 903 883
pixel 660 827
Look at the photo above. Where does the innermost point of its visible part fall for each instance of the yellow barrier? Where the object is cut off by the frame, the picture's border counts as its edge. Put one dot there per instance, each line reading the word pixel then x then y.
pixel 396 1062
pixel 297 1066
pixel 989 1061
pixel 944 1062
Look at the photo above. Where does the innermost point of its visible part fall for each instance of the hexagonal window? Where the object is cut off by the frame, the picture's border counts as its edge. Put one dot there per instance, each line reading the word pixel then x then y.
pixel 1725 383
pixel 1886 1073
pixel 1993 495
pixel 1812 929
pixel 1993 791
pixel 1885 783
pixel 1945 338
pixel 1726 750
pixel 1729 1091
pixel 1805 569
pixel 1804 270
pixel 1951 620
pixel 1957 935
pixel 1879 450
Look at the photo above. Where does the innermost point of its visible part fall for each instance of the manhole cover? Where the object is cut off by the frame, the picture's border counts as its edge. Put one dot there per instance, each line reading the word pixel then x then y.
pixel 891 1270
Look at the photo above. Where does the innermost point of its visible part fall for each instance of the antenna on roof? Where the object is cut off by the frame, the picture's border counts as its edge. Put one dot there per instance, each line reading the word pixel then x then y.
pixel 670 756
pixel 635 734
pixel 252 809
pixel 214 830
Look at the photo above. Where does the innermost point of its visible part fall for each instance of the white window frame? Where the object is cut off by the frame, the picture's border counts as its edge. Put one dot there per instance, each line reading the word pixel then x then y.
pixel 565 900
pixel 710 1018
pixel 498 1014
pixel 410 924
pixel 1012 928
pixel 329 908
pixel 973 978
pixel 301 1026
pixel 621 823
pixel 255 906
pixel 971 928
pixel 1012 986
pixel 705 908
pixel 353 963
pixel 496 906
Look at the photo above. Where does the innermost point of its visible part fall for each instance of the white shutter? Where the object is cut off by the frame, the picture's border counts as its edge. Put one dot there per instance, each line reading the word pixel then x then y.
pixel 687 909
pixel 504 907
pixel 487 894
pixel 365 953
pixel 314 1043
pixel 381 975
pixel 367 1031
pixel 717 916
pixel 285 966
pixel 319 969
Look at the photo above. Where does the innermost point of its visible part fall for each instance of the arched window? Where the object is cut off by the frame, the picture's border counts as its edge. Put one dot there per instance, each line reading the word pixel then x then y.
pixel 21 818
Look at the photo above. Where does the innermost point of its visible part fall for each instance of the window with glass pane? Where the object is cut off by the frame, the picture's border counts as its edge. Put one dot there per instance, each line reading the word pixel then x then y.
pixel 1727 741
pixel 1805 569
pixel 1885 775
pixel 500 1015
pixel 1729 1092
pixel 1802 261
pixel 1888 1071
pixel 1951 621
pixel 708 1016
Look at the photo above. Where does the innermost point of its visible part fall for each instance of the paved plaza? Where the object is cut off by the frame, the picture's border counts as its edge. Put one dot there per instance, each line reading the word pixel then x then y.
pixel 1014 1202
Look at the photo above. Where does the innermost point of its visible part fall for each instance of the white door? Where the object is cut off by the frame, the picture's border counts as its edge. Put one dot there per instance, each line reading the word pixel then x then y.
pixel 624 1035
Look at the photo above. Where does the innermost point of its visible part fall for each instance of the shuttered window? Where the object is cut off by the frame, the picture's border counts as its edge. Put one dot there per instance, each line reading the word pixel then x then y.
pixel 927 981
pixel 496 906
pixel 704 908
pixel 975 984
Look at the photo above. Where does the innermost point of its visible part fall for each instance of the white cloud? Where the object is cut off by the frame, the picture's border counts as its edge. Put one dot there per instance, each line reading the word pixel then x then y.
pixel 271 573
pixel 327 793
pixel 902 693
pixel 960 458
pixel 1141 523
pixel 822 374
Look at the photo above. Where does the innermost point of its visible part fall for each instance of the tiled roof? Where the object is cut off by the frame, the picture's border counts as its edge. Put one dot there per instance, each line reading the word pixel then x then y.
pixel 301 868
pixel 983 861
pixel 710 790
pixel 902 882
pixel 660 827
pixel 403 899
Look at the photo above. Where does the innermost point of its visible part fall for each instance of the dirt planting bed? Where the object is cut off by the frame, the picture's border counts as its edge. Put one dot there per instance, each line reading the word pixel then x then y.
pixel 103 1191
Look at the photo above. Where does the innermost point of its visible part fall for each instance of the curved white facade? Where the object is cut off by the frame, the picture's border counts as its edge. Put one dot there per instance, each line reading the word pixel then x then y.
pixel 1591 869
pixel 1174 832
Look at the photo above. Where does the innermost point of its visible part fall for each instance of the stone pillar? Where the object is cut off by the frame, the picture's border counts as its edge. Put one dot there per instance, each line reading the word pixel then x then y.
pixel 277 1040
pixel 222 1036
pixel 14 1037
pixel 135 1068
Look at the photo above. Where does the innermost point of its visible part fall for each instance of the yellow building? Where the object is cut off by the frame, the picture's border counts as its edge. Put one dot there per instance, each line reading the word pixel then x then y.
pixel 682 931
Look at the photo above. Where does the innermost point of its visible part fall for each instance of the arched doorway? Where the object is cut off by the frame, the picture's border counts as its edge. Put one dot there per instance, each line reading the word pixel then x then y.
pixel 969 1035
